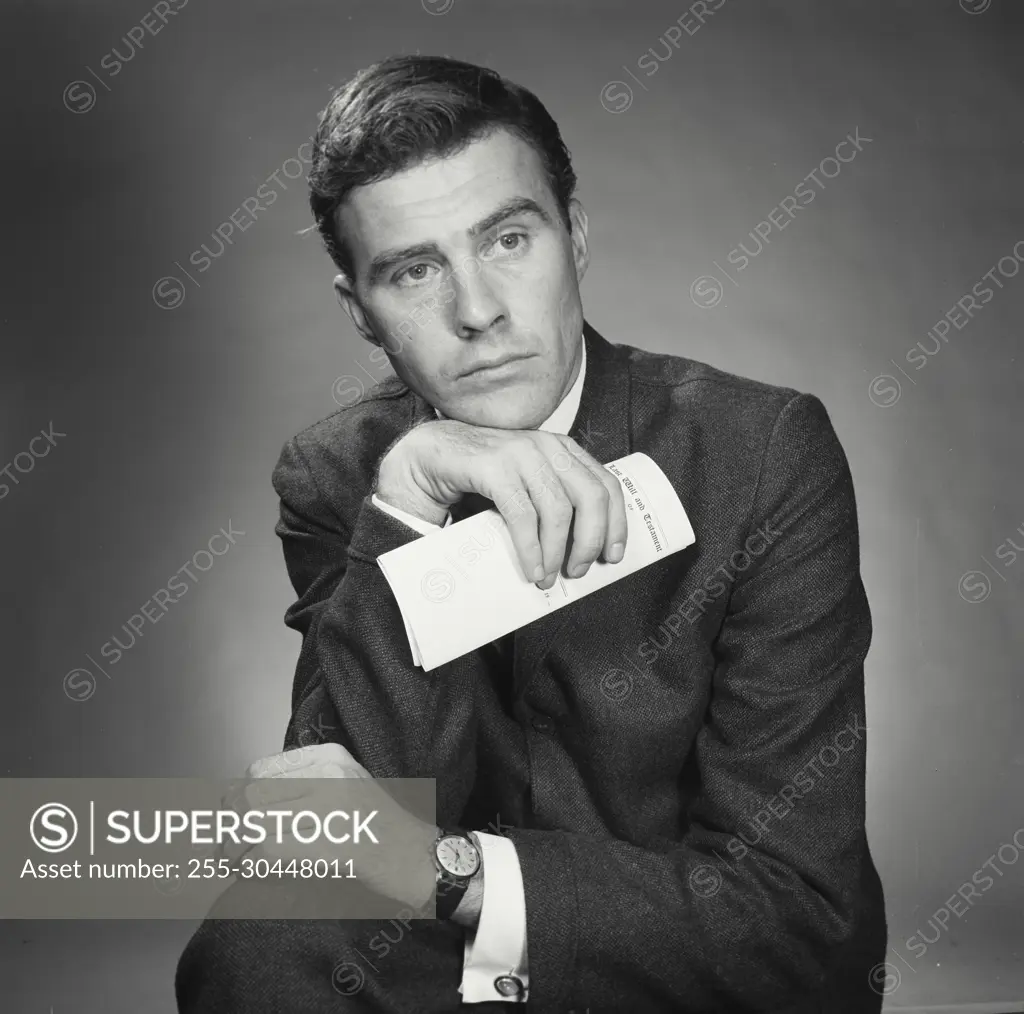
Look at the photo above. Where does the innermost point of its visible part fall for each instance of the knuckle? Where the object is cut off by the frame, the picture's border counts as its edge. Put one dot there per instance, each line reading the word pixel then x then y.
pixel 538 469
pixel 561 509
pixel 555 500
pixel 525 446
pixel 517 499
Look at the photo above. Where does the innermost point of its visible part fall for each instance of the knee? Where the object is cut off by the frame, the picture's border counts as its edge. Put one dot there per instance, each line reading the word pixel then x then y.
pixel 259 965
pixel 264 966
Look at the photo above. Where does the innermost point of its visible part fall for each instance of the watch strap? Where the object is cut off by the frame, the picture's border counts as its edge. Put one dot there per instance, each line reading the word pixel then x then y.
pixel 450 891
pixel 450 888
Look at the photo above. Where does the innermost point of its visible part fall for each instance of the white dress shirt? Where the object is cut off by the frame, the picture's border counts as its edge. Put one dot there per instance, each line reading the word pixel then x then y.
pixel 498 945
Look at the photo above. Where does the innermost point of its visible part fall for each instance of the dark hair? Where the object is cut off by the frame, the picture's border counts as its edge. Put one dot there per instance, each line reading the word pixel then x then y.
pixel 396 113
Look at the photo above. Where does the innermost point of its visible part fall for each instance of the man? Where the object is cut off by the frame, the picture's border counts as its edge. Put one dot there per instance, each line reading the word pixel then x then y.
pixel 666 778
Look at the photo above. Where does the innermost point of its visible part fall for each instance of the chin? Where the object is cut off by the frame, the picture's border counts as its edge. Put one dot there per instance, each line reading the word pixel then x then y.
pixel 501 414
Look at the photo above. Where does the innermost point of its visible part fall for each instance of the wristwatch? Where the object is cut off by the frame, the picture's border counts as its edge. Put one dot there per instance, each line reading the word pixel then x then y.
pixel 457 859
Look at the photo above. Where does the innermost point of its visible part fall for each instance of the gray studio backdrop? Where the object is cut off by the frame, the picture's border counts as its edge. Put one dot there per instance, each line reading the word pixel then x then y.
pixel 161 394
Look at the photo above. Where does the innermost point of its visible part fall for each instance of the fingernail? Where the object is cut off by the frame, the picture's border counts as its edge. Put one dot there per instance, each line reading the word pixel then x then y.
pixel 615 553
pixel 579 570
pixel 539 572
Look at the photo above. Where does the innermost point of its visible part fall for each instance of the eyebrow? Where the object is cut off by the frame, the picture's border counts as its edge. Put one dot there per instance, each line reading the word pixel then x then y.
pixel 516 206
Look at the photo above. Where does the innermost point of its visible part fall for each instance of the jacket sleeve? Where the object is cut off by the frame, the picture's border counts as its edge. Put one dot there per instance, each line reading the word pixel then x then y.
pixel 766 886
pixel 355 682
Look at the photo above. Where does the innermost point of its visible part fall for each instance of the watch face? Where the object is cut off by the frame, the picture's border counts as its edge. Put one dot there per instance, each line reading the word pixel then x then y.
pixel 457 856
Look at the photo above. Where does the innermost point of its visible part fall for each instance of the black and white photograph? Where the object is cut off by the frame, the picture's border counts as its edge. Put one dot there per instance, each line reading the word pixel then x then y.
pixel 513 502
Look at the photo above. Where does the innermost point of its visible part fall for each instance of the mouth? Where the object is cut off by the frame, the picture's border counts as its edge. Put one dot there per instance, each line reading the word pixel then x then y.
pixel 494 365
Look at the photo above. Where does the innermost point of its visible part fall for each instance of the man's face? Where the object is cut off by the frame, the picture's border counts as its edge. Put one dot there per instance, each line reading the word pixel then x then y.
pixel 463 261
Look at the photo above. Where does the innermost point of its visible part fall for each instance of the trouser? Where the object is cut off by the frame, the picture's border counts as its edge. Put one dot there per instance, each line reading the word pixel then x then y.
pixel 385 966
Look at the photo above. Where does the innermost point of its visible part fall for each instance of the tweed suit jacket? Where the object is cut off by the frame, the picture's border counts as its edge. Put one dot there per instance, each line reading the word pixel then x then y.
pixel 679 757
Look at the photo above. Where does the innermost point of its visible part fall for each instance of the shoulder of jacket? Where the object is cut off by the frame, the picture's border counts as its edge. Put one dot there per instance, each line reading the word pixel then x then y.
pixel 701 381
pixel 366 417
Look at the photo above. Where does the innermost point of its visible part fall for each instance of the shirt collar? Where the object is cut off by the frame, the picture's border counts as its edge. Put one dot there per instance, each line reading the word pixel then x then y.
pixel 564 415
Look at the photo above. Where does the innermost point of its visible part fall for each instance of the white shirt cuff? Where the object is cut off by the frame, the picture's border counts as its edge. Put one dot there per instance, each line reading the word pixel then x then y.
pixel 498 947
pixel 417 524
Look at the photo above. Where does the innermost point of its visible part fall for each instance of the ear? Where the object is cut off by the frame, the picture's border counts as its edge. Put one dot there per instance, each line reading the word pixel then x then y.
pixel 578 237
pixel 345 291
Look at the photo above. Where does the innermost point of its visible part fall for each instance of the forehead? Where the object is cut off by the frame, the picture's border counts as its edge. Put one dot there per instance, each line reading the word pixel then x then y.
pixel 442 198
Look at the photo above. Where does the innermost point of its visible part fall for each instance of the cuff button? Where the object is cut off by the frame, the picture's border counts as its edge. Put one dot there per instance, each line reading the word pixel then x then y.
pixel 508 985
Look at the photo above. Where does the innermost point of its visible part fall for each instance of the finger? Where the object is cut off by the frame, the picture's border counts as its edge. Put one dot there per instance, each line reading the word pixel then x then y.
pixel 554 513
pixel 617 528
pixel 590 498
pixel 269 791
pixel 240 851
pixel 295 784
pixel 331 769
pixel 296 759
pixel 278 763
pixel 514 505
pixel 306 826
pixel 234 798
pixel 232 850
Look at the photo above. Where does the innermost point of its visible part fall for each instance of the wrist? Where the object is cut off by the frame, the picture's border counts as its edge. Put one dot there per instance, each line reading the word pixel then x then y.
pixel 425 510
pixel 458 857
pixel 397 487
pixel 467 914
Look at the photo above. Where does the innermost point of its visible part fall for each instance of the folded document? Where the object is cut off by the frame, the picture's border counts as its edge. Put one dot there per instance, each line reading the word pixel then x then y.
pixel 462 586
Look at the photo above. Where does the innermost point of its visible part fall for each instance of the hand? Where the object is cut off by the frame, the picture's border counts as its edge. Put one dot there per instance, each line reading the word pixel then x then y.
pixel 320 760
pixel 536 480
pixel 283 781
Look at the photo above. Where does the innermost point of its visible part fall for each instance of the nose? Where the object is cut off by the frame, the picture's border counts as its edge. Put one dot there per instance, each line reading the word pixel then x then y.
pixel 478 306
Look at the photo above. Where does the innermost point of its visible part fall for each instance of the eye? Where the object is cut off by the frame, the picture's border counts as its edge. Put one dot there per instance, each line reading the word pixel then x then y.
pixel 413 274
pixel 512 243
